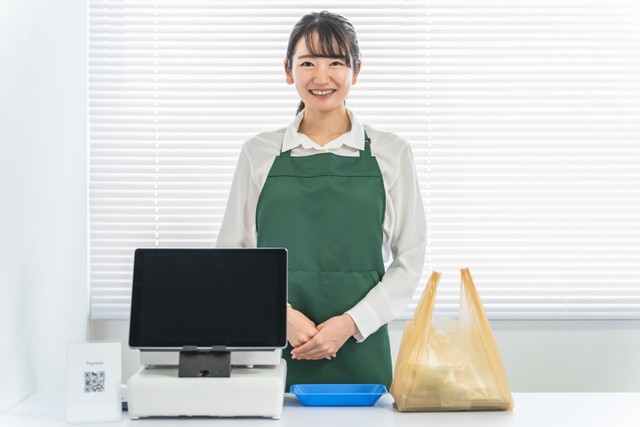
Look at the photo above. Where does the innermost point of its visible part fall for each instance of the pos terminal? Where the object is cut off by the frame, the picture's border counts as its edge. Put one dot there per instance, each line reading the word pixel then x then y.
pixel 210 325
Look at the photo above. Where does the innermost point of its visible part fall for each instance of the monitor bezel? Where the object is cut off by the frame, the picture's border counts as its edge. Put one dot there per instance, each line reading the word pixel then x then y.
pixel 134 337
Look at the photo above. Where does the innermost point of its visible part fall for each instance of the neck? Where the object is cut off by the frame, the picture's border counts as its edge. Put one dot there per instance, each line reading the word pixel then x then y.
pixel 323 127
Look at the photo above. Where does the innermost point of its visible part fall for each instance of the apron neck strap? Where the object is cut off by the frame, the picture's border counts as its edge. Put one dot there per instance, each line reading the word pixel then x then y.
pixel 366 152
pixel 367 146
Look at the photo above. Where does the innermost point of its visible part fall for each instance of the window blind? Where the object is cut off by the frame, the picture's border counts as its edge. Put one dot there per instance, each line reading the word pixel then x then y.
pixel 532 161
pixel 521 117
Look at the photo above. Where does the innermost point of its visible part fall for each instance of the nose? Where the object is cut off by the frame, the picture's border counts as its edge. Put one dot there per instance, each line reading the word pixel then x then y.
pixel 321 75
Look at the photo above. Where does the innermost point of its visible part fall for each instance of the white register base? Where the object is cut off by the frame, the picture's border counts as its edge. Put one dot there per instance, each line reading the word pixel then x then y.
pixel 248 392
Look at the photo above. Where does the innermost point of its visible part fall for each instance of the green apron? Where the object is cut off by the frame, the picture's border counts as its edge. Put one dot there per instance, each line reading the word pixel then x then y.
pixel 327 210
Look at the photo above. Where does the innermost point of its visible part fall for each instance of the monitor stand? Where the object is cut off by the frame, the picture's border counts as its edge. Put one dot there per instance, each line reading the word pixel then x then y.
pixel 211 363
pixel 247 392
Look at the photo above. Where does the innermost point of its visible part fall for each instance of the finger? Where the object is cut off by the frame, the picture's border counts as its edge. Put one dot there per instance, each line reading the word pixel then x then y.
pixel 316 353
pixel 296 343
pixel 304 338
pixel 300 338
pixel 315 350
pixel 302 351
pixel 311 356
pixel 304 334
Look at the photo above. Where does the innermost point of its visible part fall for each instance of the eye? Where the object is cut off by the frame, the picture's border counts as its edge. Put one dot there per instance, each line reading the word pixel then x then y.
pixel 337 64
pixel 306 64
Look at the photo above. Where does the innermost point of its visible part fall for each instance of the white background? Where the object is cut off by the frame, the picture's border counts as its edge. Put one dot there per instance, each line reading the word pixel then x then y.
pixel 43 231
pixel 43 182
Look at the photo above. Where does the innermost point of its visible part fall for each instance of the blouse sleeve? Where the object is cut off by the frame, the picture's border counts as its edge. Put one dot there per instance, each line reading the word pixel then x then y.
pixel 408 242
pixel 238 223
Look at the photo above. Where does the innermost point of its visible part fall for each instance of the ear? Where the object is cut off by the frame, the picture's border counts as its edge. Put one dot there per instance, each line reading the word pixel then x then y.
pixel 356 72
pixel 287 72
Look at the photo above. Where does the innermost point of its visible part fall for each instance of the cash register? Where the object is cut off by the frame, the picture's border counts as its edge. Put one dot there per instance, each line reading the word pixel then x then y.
pixel 210 325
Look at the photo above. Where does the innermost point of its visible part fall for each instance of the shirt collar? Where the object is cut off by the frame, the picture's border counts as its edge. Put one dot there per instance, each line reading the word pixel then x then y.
pixel 354 138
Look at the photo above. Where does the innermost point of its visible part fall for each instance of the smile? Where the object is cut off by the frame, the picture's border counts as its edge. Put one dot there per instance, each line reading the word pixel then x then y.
pixel 322 92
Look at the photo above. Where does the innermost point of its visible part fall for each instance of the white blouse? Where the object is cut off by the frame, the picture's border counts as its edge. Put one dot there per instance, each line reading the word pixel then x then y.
pixel 404 227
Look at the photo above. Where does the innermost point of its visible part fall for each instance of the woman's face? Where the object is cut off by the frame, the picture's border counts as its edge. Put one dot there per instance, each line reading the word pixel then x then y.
pixel 322 83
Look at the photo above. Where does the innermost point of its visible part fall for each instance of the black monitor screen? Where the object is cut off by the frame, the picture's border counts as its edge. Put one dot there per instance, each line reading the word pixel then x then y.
pixel 236 298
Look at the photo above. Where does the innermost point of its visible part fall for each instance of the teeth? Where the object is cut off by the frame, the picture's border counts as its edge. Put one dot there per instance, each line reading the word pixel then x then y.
pixel 322 92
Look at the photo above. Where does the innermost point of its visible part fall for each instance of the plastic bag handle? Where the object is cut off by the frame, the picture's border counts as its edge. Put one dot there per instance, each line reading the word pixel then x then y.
pixel 484 328
pixel 427 302
pixel 472 296
pixel 416 333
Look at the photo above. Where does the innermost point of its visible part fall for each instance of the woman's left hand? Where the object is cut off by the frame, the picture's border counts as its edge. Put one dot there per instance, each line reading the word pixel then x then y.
pixel 331 336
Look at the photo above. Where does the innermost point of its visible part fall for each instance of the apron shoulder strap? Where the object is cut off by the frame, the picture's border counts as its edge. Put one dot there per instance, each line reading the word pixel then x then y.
pixel 367 146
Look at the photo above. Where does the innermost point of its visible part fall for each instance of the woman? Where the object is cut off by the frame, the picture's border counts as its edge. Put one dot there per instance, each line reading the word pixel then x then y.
pixel 338 195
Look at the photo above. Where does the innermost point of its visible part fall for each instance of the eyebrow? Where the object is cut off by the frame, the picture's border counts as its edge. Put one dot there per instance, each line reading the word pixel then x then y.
pixel 314 56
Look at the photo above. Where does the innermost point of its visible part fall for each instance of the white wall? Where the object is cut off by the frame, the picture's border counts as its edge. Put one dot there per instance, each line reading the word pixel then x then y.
pixel 539 356
pixel 43 188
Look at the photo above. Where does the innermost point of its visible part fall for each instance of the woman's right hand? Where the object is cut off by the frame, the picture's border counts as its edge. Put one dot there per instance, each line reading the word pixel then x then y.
pixel 300 328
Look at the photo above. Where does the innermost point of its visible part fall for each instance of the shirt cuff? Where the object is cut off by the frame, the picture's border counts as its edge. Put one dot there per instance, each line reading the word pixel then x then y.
pixel 366 320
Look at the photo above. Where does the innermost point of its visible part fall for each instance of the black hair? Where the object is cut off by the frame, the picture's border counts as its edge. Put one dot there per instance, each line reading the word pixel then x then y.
pixel 327 35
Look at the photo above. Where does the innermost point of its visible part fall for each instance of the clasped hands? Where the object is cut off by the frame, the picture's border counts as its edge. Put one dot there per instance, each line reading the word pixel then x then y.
pixel 311 342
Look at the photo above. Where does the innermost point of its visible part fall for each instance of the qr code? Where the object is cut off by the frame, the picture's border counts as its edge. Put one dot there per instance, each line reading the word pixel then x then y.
pixel 94 382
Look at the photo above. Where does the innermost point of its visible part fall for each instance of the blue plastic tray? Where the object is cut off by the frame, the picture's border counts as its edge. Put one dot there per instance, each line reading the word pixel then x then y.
pixel 338 394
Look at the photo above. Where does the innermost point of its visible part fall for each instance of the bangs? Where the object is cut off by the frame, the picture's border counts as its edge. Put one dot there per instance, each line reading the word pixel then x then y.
pixel 325 42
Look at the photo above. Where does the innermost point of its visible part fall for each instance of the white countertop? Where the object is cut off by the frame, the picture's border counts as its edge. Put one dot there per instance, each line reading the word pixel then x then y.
pixel 531 409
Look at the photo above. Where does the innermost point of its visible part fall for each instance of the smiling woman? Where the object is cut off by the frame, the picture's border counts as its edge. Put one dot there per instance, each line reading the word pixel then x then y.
pixel 336 193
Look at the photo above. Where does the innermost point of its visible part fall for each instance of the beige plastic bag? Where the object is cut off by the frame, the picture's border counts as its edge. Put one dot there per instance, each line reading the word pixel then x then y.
pixel 450 371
